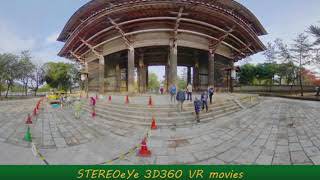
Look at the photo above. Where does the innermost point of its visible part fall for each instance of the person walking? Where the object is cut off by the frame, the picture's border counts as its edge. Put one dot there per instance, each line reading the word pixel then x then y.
pixel 173 92
pixel 211 93
pixel 204 99
pixel 189 92
pixel 197 106
pixel 93 102
pixel 161 90
pixel 181 97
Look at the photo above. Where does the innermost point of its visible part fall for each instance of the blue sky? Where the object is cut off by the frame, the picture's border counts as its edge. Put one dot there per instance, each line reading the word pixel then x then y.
pixel 35 24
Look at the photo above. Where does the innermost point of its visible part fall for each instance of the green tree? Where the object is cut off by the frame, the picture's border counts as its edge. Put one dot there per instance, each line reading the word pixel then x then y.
pixel 301 53
pixel 153 82
pixel 247 74
pixel 2 68
pixel 61 76
pixel 182 83
pixel 26 69
pixel 10 70
pixel 37 78
pixel 270 53
pixel 315 31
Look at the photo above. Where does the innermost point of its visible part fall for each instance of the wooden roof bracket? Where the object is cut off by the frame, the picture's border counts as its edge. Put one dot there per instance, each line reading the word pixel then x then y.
pixel 79 58
pixel 90 47
pixel 121 32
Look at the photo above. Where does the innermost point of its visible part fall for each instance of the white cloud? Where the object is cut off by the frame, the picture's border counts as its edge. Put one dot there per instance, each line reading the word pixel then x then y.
pixel 42 50
pixel 12 42
pixel 52 38
pixel 44 55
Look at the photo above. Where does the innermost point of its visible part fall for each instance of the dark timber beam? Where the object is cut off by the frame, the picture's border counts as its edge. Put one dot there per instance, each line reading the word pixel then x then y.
pixel 178 23
pixel 121 32
pixel 220 39
pixel 79 58
pixel 173 52
pixel 238 55
pixel 130 56
pixel 212 50
pixel 91 47
pixel 163 18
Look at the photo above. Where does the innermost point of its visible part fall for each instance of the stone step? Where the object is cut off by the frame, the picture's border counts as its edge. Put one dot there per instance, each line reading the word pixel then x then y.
pixel 169 107
pixel 173 121
pixel 156 112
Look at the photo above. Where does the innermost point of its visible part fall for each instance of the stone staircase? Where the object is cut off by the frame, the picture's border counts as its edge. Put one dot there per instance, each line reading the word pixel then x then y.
pixel 168 115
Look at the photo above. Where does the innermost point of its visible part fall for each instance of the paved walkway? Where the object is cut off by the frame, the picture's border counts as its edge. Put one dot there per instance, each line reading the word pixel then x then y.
pixel 276 131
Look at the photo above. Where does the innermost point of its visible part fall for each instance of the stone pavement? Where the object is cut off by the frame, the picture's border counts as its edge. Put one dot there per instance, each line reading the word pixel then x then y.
pixel 276 131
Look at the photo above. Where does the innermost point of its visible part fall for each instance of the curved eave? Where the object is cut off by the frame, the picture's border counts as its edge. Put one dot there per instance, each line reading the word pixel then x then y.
pixel 87 8
pixel 96 5
pixel 250 16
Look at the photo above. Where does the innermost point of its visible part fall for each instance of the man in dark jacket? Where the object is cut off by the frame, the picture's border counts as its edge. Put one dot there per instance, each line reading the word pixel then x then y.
pixel 181 97
pixel 204 99
pixel 211 93
pixel 197 106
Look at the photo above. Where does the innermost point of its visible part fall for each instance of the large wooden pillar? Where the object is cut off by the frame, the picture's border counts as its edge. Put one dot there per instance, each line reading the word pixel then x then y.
pixel 118 77
pixel 196 77
pixel 173 61
pixel 142 75
pixel 211 68
pixel 101 74
pixel 189 75
pixel 131 70
pixel 231 78
pixel 147 78
pixel 86 68
pixel 166 78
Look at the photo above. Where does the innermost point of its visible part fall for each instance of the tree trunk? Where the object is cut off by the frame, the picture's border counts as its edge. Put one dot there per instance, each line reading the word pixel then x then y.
pixel 26 90
pixel 35 91
pixel 0 90
pixel 300 77
pixel 301 87
pixel 9 85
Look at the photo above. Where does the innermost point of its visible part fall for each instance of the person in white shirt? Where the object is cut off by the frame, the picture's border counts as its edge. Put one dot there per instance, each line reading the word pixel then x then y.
pixel 189 92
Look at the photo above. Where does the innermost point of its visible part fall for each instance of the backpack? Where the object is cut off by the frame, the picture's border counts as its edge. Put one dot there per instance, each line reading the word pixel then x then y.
pixel 181 96
pixel 173 90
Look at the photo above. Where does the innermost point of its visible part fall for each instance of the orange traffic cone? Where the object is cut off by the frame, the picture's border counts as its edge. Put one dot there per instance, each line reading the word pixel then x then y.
pixel 94 114
pixel 38 105
pixel 144 152
pixel 150 101
pixel 153 124
pixel 29 120
pixel 127 99
pixel 34 111
pixel 110 98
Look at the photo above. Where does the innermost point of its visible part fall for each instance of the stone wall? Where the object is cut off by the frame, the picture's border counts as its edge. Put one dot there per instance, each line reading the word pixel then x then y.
pixel 282 88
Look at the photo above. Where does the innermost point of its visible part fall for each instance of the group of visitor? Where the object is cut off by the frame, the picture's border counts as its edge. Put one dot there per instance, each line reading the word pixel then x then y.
pixel 199 104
